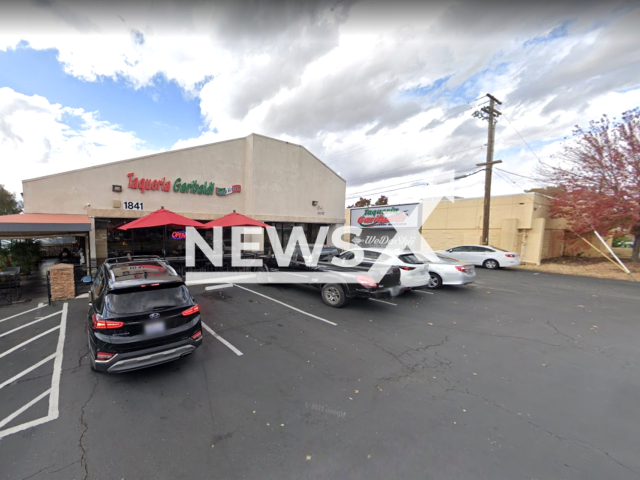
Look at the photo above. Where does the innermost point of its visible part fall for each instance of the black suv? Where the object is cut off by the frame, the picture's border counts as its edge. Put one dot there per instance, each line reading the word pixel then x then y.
pixel 141 314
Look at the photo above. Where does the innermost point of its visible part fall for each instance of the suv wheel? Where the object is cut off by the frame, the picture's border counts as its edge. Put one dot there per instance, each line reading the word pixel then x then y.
pixel 334 295
pixel 491 264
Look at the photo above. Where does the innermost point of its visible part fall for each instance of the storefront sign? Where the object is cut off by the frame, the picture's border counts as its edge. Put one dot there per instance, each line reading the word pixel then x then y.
pixel 163 185
pixel 205 188
pixel 178 235
pixel 385 216
pixel 221 192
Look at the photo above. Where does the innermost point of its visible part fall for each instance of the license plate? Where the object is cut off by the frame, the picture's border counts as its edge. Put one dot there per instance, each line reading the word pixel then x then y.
pixel 153 328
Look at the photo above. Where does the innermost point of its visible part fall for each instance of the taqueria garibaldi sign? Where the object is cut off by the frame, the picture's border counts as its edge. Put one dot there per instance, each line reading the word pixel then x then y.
pixel 179 186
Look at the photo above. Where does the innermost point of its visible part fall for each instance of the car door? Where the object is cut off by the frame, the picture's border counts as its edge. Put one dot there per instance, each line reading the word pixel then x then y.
pixel 480 254
pixel 461 253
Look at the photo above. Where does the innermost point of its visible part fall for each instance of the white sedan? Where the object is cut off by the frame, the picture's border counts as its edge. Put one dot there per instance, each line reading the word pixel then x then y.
pixel 483 255
pixel 414 273
pixel 445 270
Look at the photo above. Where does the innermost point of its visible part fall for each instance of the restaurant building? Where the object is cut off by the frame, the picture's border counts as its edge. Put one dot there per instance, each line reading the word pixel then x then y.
pixel 276 182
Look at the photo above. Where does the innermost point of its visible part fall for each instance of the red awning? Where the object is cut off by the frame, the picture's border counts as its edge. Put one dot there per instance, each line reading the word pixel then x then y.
pixel 235 220
pixel 161 218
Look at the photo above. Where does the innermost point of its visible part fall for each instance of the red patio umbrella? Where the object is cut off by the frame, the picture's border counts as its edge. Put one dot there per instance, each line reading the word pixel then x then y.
pixel 161 218
pixel 235 220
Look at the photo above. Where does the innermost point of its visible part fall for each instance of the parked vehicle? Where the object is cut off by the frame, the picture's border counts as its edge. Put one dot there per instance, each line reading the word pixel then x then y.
pixel 328 252
pixel 141 314
pixel 445 270
pixel 339 284
pixel 414 272
pixel 483 255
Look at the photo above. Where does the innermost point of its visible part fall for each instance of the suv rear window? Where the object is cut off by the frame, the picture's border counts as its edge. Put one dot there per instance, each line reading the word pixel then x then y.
pixel 142 300
pixel 410 258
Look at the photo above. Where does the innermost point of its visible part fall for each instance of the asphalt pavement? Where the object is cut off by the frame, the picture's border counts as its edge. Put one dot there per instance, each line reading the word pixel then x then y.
pixel 522 375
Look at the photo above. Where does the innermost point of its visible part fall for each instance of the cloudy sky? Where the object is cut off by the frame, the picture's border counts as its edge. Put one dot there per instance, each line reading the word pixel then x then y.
pixel 383 92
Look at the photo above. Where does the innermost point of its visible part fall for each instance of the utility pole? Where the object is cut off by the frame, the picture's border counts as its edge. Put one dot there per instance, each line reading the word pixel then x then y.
pixel 490 114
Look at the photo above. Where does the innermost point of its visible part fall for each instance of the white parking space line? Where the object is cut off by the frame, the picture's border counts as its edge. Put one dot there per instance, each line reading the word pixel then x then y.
pixel 30 323
pixel 219 287
pixel 40 305
pixel 289 306
pixel 22 409
pixel 422 291
pixel 57 366
pixel 53 392
pixel 382 301
pixel 32 339
pixel 24 372
pixel 234 349
pixel 22 313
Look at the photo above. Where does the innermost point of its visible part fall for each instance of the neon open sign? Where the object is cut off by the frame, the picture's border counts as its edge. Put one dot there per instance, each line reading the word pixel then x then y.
pixel 179 235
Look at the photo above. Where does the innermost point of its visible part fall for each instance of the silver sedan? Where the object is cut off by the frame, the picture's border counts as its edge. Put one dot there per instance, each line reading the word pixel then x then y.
pixel 445 270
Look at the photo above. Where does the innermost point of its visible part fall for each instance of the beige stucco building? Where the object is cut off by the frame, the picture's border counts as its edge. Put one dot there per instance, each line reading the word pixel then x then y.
pixel 519 223
pixel 273 181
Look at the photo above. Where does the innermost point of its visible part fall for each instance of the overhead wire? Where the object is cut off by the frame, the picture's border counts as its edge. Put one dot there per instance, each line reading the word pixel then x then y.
pixel 418 163
pixel 383 190
pixel 359 149
pixel 366 191
pixel 523 139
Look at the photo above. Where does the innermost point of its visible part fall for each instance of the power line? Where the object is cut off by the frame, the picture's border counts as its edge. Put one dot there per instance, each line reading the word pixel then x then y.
pixel 525 142
pixel 359 149
pixel 508 180
pixel 383 191
pixel 369 190
pixel 417 163
pixel 517 174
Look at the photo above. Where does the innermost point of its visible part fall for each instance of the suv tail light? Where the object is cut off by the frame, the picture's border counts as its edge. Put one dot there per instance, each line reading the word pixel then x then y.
pixel 192 310
pixel 461 268
pixel 197 336
pixel 407 268
pixel 510 255
pixel 100 324
pixel 366 281
pixel 102 356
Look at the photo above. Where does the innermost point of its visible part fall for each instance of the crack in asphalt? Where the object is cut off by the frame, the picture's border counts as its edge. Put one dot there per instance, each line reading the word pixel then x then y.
pixel 573 441
pixel 408 369
pixel 49 473
pixel 548 322
pixel 83 422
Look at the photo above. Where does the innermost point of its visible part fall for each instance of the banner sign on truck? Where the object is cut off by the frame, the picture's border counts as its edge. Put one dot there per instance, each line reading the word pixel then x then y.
pixel 381 216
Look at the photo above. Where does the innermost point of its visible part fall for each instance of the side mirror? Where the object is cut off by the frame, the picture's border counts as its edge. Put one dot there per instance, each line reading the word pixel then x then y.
pixel 87 279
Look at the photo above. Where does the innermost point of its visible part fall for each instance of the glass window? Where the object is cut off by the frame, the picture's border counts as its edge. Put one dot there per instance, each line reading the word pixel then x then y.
pixel 128 301
pixel 346 255
pixel 410 258
pixel 371 255
pixel 461 249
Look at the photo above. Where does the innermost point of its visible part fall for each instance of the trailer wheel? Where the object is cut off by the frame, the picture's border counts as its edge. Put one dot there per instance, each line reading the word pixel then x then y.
pixel 334 295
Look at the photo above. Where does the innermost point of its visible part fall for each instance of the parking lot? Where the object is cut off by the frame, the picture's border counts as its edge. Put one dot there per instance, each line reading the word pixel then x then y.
pixel 520 375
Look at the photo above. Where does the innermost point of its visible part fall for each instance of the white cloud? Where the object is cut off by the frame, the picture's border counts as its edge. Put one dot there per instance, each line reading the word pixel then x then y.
pixel 337 77
pixel 36 139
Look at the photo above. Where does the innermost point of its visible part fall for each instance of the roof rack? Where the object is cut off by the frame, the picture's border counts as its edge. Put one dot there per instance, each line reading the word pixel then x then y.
pixel 131 258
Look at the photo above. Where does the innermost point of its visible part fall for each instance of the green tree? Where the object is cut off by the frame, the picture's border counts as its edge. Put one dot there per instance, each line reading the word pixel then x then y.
pixel 8 203
pixel 382 200
pixel 363 202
